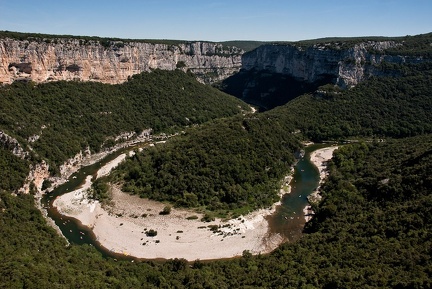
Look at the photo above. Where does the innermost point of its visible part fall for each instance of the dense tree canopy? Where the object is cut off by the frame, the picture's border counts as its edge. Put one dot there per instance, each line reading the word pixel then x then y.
pixel 373 229
pixel 226 164
pixel 238 162
pixel 69 116
pixel 380 107
pixel 13 170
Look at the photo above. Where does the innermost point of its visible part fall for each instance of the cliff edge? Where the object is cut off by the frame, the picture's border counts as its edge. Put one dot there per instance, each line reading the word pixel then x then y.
pixel 346 66
pixel 52 59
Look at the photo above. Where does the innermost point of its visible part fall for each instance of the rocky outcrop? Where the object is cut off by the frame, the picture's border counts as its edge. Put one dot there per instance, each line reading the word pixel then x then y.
pixel 42 60
pixel 346 66
pixel 33 183
pixel 13 145
pixel 86 157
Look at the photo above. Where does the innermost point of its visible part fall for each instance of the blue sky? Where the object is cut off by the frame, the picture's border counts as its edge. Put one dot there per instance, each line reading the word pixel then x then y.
pixel 218 20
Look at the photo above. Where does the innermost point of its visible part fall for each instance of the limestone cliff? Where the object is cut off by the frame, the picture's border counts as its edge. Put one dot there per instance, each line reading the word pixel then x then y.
pixel 42 60
pixel 346 66
pixel 13 145
pixel 34 181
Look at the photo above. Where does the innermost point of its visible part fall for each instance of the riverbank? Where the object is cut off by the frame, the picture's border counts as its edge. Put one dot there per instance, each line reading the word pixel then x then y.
pixel 128 223
pixel 319 158
pixel 125 225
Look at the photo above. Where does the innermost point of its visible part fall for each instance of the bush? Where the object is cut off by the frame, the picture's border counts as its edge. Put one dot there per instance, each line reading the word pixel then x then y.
pixel 208 218
pixel 181 64
pixel 46 184
pixel 151 233
pixel 166 210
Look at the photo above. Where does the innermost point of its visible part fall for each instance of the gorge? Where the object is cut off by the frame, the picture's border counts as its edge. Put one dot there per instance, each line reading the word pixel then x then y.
pixel 372 228
pixel 344 63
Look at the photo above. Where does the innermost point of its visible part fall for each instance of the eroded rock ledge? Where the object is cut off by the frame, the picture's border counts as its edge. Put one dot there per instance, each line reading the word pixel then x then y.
pixel 345 66
pixel 54 59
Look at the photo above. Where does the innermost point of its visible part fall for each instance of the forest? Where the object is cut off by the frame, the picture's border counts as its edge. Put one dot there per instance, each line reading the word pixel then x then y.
pixel 380 107
pixel 372 229
pixel 225 164
pixel 235 162
pixel 107 42
pixel 412 45
pixel 67 117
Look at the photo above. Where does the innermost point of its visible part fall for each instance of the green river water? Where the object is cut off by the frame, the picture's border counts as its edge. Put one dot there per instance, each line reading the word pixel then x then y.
pixel 288 219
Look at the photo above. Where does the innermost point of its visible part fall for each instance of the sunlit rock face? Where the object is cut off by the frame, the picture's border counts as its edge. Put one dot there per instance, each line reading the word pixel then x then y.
pixel 42 60
pixel 346 66
pixel 274 74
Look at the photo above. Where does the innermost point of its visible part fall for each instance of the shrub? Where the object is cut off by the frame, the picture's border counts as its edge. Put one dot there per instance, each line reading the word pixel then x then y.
pixel 180 64
pixel 208 218
pixel 166 210
pixel 151 233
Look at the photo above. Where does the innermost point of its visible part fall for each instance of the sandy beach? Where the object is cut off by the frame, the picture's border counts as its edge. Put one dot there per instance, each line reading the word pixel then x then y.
pixel 124 226
pixel 319 158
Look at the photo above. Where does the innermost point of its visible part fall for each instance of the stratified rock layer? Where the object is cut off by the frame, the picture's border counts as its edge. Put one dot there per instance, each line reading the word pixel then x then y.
pixel 346 66
pixel 42 60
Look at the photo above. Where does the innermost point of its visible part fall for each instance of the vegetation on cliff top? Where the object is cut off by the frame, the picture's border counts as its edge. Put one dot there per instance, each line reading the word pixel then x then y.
pixel 116 42
pixel 417 45
pixel 244 44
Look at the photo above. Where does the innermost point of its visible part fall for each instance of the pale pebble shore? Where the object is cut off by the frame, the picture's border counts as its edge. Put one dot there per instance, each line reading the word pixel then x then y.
pixel 319 158
pixel 121 227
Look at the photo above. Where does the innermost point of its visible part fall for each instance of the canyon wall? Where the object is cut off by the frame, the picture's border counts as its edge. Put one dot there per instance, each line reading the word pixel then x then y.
pixel 346 66
pixel 53 59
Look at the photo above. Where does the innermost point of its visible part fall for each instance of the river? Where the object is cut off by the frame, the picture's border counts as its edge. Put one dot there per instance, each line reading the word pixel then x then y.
pixel 288 220
pixel 71 228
